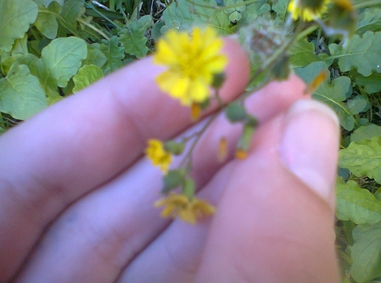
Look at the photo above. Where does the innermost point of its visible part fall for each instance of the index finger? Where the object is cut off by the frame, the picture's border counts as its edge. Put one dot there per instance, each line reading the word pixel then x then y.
pixel 76 145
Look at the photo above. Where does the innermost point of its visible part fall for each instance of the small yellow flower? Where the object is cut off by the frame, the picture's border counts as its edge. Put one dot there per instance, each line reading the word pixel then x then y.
pixel 192 63
pixel 188 209
pixel 158 155
pixel 307 10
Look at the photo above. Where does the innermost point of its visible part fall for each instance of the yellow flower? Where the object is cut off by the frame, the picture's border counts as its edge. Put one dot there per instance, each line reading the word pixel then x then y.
pixel 158 155
pixel 307 10
pixel 188 209
pixel 192 63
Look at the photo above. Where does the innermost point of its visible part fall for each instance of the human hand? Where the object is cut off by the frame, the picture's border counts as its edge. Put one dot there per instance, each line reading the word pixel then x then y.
pixel 77 195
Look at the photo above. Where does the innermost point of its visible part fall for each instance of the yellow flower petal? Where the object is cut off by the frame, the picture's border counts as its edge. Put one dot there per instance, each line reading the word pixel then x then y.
pixel 192 61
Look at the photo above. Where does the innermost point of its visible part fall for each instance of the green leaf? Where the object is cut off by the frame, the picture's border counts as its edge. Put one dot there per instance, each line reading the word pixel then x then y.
pixel 133 38
pixel 302 53
pixel 362 53
pixel 86 76
pixel 60 60
pixel 94 57
pixel 369 20
pixel 71 10
pixel 15 18
pixel 21 94
pixel 363 158
pixel 366 132
pixel 235 112
pixel 356 204
pixel 280 8
pixel 333 94
pixel 46 3
pixel 366 252
pixel 371 84
pixel 46 21
pixel 187 14
pixel 309 73
pixel 113 52
pixel 359 103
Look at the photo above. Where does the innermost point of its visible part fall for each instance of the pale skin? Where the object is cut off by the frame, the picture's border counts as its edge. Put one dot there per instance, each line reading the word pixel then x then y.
pixel 77 193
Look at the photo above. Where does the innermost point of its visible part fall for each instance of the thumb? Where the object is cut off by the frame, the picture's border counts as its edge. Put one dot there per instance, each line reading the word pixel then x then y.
pixel 275 218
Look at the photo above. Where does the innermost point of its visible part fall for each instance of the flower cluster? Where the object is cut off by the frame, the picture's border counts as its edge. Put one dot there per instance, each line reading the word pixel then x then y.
pixel 192 63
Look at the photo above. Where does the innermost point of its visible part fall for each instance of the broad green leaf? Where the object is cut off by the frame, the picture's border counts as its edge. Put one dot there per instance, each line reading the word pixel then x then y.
pixel 60 60
pixel 363 158
pixel 356 204
pixel 21 94
pixel 113 52
pixel 369 20
pixel 187 14
pixel 254 10
pixel 94 57
pixel 366 252
pixel 362 53
pixel 15 18
pixel 46 21
pixel 359 103
pixel 371 84
pixel 86 76
pixel 366 132
pixel 309 73
pixel 302 53
pixel 133 39
pixel 332 94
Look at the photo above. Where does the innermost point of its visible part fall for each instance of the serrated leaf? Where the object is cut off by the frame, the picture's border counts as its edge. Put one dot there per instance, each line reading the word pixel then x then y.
pixel 46 21
pixel 302 53
pixel 15 18
pixel 254 10
pixel 366 132
pixel 363 158
pixel 113 52
pixel 188 14
pixel 133 38
pixel 362 53
pixel 356 204
pixel 86 75
pixel 369 20
pixel 309 73
pixel 21 94
pixel 60 60
pixel 366 252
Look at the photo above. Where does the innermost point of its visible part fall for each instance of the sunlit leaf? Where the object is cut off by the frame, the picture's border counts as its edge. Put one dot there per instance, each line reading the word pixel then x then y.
pixel 363 158
pixel 86 76
pixel 15 19
pixel 356 204
pixel 21 94
pixel 366 252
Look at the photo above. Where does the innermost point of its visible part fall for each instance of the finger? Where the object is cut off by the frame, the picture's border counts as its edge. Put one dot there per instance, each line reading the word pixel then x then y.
pixel 78 144
pixel 114 224
pixel 275 218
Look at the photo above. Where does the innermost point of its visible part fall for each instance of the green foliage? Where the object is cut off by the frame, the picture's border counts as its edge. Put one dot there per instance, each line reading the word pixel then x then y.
pixel 363 158
pixel 366 252
pixel 15 18
pixel 86 75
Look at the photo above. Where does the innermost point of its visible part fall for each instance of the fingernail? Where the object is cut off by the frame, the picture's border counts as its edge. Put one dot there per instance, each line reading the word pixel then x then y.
pixel 309 145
